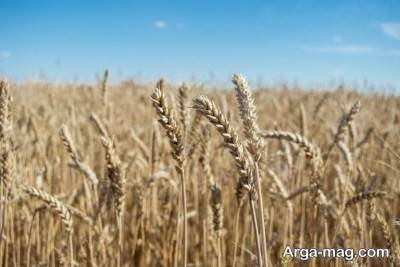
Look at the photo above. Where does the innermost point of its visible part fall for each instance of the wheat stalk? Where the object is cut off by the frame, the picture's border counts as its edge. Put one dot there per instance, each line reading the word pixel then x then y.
pixel 114 186
pixel 389 240
pixel 208 109
pixel 248 115
pixel 174 134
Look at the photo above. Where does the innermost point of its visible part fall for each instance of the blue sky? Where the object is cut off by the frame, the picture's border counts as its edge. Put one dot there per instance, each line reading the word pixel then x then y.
pixel 300 40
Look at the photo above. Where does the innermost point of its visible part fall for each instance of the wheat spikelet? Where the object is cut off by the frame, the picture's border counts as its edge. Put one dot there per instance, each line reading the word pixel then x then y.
pixel 320 103
pixel 364 196
pixel 371 211
pixel 104 87
pixel 248 114
pixel 115 174
pixel 7 156
pixel 346 120
pixel 66 138
pixel 139 191
pixel 7 167
pixel 217 210
pixel 167 120
pixel 105 197
pixel 53 203
pixel 183 96
pixel 207 108
pixel 309 149
pixel 5 111
pixel 77 163
pixel 369 195
pixel 303 120
pixel 205 155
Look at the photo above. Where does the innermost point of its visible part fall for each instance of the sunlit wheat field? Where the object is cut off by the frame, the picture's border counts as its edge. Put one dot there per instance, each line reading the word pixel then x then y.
pixel 163 174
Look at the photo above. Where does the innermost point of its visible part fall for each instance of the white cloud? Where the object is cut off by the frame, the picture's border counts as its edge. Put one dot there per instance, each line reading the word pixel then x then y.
pixel 391 29
pixel 160 24
pixel 341 49
pixel 4 54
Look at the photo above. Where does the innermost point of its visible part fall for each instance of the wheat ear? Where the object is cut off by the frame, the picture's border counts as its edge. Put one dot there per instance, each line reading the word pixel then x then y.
pixel 308 148
pixel 341 130
pixel 353 201
pixel 5 111
pixel 77 163
pixel 248 115
pixel 56 205
pixel 7 167
pixel 364 196
pixel 104 87
pixel 346 120
pixel 116 174
pixel 183 97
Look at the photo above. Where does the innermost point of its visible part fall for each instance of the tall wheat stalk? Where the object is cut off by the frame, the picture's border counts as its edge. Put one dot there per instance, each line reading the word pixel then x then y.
pixel 7 156
pixel 208 109
pixel 174 134
pixel 115 180
pixel 255 145
pixel 59 208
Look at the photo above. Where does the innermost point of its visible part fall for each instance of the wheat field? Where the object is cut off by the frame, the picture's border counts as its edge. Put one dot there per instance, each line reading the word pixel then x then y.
pixel 159 174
